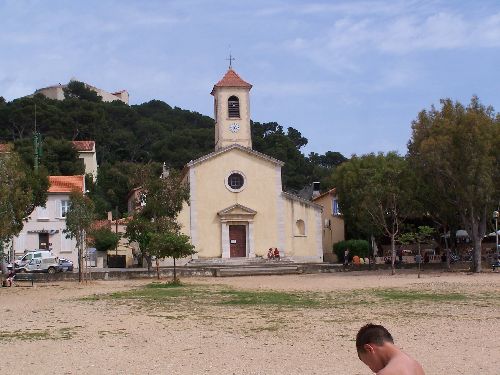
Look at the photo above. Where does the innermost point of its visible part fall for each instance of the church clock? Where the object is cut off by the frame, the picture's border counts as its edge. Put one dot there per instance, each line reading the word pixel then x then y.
pixel 234 127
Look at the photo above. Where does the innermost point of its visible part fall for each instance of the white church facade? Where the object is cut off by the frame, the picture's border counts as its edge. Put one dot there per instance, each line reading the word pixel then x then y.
pixel 237 207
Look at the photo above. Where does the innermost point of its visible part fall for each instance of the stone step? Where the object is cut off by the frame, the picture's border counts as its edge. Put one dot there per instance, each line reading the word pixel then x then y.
pixel 255 271
pixel 223 262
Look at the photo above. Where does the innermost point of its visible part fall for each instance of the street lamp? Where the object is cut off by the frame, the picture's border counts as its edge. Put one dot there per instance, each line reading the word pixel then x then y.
pixel 495 217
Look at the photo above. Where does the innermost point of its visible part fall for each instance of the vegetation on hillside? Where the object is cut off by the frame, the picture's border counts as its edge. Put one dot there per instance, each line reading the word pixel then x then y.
pixel 128 137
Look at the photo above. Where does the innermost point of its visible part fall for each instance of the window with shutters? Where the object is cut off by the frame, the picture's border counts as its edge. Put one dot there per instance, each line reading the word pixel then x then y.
pixel 233 107
pixel 335 207
pixel 64 208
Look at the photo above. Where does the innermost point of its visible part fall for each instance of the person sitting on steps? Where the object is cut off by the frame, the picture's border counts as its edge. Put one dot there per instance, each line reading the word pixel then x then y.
pixel 270 253
pixel 276 253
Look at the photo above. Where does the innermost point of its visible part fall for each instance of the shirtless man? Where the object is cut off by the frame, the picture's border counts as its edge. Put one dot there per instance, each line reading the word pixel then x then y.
pixel 376 349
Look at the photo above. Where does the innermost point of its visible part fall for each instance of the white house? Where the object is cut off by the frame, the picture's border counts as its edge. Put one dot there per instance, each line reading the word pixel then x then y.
pixel 45 226
pixel 86 152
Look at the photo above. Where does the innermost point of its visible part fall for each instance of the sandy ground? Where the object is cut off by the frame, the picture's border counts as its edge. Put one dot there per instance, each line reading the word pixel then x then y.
pixel 106 336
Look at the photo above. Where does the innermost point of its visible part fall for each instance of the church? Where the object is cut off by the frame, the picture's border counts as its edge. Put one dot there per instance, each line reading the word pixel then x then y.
pixel 237 207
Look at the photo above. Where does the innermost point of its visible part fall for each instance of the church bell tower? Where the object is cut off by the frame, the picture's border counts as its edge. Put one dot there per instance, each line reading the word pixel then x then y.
pixel 232 111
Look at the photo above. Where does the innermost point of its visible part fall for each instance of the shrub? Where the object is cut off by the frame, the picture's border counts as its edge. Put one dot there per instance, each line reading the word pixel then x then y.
pixel 105 239
pixel 360 248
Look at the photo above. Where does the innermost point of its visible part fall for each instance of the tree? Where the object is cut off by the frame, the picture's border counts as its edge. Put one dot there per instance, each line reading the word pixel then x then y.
pixel 170 244
pixel 78 90
pixel 455 151
pixel 79 219
pixel 21 191
pixel 375 192
pixel 139 134
pixel 59 157
pixel 140 229
pixel 422 234
pixel 104 239
pixel 155 226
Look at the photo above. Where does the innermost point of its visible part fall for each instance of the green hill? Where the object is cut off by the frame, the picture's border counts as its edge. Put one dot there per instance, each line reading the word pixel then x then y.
pixel 128 137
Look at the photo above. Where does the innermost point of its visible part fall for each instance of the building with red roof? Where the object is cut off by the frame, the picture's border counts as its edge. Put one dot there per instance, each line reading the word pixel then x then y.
pixel 45 226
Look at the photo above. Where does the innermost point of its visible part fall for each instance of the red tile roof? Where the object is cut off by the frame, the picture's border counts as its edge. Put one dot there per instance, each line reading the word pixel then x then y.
pixel 231 79
pixel 331 192
pixel 84 145
pixel 66 184
pixel 98 224
pixel 6 147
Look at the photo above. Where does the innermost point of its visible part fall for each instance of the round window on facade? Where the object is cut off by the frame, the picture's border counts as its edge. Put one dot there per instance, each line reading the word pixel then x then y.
pixel 235 181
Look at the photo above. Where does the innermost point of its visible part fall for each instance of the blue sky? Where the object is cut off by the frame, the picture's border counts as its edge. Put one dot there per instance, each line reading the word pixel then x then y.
pixel 350 75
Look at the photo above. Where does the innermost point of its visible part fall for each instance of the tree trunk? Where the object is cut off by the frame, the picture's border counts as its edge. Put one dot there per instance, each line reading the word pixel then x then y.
pixel 158 268
pixel 3 263
pixel 420 258
pixel 80 268
pixel 149 262
pixel 447 251
pixel 476 259
pixel 175 273
pixel 478 227
pixel 393 253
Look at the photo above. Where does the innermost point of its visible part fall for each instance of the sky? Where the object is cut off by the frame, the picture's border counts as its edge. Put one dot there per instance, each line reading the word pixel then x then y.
pixel 351 76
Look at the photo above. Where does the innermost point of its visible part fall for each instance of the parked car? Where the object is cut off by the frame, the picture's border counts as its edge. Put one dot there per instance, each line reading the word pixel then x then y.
pixel 65 265
pixel 23 260
pixel 41 261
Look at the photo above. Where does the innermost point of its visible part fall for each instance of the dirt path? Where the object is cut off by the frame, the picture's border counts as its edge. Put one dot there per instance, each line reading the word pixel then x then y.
pixel 452 327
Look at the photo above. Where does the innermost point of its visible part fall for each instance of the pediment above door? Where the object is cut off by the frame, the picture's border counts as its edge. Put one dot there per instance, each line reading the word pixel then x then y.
pixel 237 212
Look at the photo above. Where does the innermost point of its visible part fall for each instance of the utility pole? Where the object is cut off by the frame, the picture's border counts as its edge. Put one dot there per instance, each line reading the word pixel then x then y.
pixel 496 214
pixel 37 146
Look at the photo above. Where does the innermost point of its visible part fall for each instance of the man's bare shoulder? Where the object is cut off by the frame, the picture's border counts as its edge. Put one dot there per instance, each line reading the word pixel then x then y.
pixel 402 365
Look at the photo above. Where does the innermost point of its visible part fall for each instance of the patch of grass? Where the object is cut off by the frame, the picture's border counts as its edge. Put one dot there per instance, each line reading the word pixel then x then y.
pixel 121 332
pixel 203 295
pixel 258 298
pixel 170 284
pixel 415 296
pixel 24 335
pixel 67 333
pixel 172 317
pixel 159 292
pixel 267 328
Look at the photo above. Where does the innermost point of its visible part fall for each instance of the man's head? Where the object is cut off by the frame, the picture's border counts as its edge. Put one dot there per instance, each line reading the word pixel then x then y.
pixel 369 342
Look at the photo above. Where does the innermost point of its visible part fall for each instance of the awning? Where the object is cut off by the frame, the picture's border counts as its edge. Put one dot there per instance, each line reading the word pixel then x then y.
pixel 49 231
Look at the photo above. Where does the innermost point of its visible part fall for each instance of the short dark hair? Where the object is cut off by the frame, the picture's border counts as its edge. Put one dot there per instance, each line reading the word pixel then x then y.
pixel 372 334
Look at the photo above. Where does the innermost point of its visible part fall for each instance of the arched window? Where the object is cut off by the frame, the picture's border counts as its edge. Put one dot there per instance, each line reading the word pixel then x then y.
pixel 301 227
pixel 233 107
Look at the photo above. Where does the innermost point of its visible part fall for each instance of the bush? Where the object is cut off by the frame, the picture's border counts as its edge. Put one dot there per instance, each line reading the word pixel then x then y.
pixel 105 239
pixel 360 248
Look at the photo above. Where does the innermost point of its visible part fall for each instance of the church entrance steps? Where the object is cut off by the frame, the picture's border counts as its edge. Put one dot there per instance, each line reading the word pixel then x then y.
pixel 254 271
pixel 223 262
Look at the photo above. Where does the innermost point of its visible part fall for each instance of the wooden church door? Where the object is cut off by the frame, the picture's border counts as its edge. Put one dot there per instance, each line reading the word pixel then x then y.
pixel 238 241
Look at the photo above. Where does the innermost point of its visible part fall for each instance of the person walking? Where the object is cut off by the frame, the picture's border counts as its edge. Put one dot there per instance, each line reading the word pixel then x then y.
pixel 346 257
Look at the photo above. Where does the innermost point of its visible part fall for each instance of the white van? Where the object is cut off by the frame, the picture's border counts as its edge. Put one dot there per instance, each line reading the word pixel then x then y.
pixel 38 261
pixel 22 260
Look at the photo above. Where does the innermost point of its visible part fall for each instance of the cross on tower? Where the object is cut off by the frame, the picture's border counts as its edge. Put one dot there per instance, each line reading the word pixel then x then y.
pixel 231 59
